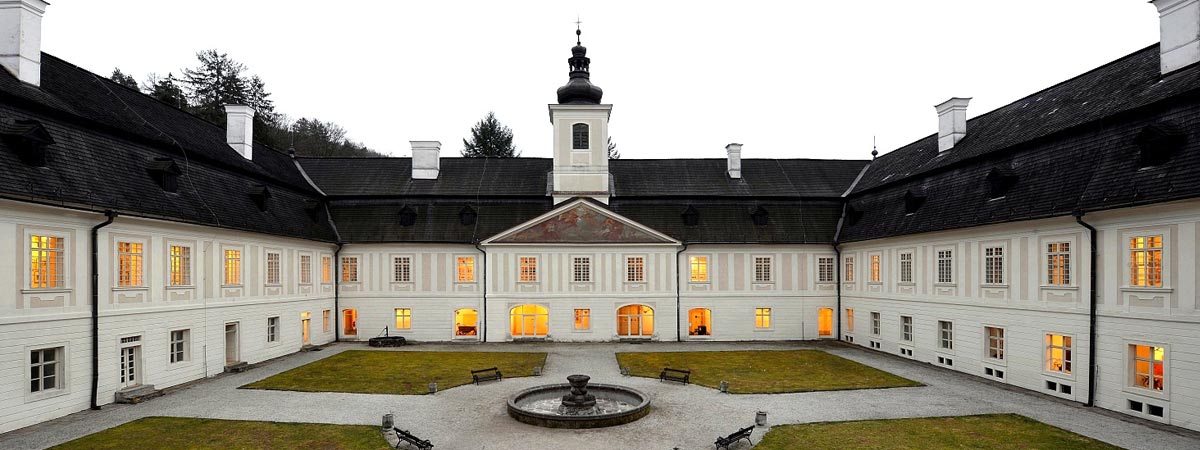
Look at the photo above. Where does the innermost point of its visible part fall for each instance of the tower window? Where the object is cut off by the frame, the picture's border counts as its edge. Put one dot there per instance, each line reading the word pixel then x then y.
pixel 579 136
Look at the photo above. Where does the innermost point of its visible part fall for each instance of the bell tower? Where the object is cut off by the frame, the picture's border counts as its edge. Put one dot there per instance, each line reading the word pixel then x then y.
pixel 580 133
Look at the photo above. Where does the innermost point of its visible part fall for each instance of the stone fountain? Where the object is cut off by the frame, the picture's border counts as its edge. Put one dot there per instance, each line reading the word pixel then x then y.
pixel 576 404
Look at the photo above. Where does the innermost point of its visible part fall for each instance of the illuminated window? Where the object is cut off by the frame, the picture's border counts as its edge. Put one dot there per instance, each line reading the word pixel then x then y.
pixel 403 318
pixel 129 264
pixel 528 269
pixel 581 269
pixel 1148 367
pixel 46 262
pixel 762 318
pixel 874 268
pixel 762 269
pixel 635 269
pixel 875 323
pixel 850 320
pixel 700 322
pixel 305 269
pixel 906 328
pixel 349 269
pixel 825 322
pixel 993 265
pixel 272 268
pixel 402 269
pixel 350 322
pixel 233 267
pixel 699 266
pixel 583 319
pixel 945 266
pixel 1145 261
pixel 326 269
pixel 273 329
pixel 849 275
pixel 466 322
pixel 529 321
pixel 45 370
pixel 325 322
pixel 906 267
pixel 995 342
pixel 1058 263
pixel 824 270
pixel 180 265
pixel 1058 353
pixel 466 269
pixel 635 321
pixel 579 136
pixel 945 335
pixel 180 346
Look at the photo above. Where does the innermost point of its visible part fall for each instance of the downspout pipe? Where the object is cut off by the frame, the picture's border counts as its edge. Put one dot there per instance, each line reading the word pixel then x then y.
pixel 1092 309
pixel 110 216
pixel 837 267
pixel 337 278
pixel 483 279
pixel 678 293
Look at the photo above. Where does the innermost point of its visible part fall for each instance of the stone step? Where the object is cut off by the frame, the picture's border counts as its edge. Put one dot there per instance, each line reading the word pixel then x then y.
pixel 237 367
pixel 136 394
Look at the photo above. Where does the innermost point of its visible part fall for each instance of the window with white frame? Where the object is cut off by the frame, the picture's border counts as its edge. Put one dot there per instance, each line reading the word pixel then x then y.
pixel 1058 263
pixel 906 267
pixel 824 270
pixel 45 369
pixel 945 266
pixel 233 267
pixel 762 318
pixel 875 323
pixel 466 269
pixel 581 269
pixel 130 263
pixel 1149 369
pixel 762 269
pixel 349 269
pixel 180 346
pixel 995 342
pixel 325 318
pixel 401 269
pixel 945 335
pixel 993 265
pixel 579 136
pixel 326 270
pixel 849 274
pixel 583 319
pixel 180 265
pixel 305 269
pixel 273 268
pixel 273 329
pixel 699 269
pixel 1058 353
pixel 906 328
pixel 46 262
pixel 403 318
pixel 850 320
pixel 635 269
pixel 875 276
pixel 528 265
pixel 1146 261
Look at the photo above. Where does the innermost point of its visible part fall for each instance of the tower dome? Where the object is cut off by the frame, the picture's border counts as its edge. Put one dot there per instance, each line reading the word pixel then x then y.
pixel 579 89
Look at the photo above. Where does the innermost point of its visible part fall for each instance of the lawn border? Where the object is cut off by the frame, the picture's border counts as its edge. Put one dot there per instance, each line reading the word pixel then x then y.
pixel 382 433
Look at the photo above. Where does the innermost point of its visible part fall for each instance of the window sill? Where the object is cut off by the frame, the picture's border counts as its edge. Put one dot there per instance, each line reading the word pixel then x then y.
pixel 273 285
pixel 945 351
pixel 46 291
pixel 1059 375
pixel 1153 289
pixel 763 330
pixel 1067 287
pixel 130 288
pixel 635 282
pixel 995 362
pixel 875 283
pixel 232 286
pixel 179 364
pixel 994 286
pixel 581 330
pixel 46 394
pixel 945 284
pixel 1143 392
pixel 700 337
pixel 180 287
pixel 906 284
pixel 466 338
pixel 698 282
pixel 464 282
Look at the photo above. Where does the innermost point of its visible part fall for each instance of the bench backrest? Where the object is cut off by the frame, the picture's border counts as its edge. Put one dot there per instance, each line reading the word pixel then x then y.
pixel 493 369
pixel 668 369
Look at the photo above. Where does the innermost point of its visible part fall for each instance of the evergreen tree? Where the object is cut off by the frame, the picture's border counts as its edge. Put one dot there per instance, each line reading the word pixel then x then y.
pixel 167 90
pixel 216 82
pixel 312 137
pixel 613 153
pixel 122 79
pixel 490 139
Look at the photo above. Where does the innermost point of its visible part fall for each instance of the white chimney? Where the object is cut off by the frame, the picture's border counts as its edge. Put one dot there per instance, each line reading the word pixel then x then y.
pixel 426 159
pixel 239 129
pixel 734 162
pixel 952 122
pixel 1179 33
pixel 21 42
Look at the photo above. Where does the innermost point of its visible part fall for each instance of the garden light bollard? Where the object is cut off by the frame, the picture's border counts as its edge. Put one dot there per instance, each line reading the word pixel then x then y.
pixel 389 421
pixel 725 387
pixel 433 387
pixel 625 370
pixel 760 419
pixel 537 371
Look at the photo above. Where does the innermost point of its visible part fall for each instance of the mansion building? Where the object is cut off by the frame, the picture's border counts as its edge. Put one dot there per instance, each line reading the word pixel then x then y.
pixel 1050 244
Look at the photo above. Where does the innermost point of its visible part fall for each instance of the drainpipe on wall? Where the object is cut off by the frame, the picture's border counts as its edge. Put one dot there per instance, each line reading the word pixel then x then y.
pixel 1092 310
pixel 483 279
pixel 678 302
pixel 337 309
pixel 95 269
pixel 837 266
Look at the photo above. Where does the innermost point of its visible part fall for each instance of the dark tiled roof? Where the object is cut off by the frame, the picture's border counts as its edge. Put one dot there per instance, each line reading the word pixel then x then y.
pixel 360 177
pixel 729 221
pixel 708 177
pixel 437 220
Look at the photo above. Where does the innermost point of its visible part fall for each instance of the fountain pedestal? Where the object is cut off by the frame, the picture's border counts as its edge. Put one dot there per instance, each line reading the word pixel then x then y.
pixel 578 398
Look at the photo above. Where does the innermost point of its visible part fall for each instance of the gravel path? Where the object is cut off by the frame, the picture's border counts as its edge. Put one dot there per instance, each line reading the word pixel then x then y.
pixel 686 417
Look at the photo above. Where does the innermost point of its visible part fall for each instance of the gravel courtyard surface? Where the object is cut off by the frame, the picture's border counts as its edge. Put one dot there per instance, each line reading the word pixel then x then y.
pixel 687 417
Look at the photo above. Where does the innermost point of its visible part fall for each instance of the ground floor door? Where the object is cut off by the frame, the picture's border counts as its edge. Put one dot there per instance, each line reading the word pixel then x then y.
pixel 131 366
pixel 529 321
pixel 231 344
pixel 635 321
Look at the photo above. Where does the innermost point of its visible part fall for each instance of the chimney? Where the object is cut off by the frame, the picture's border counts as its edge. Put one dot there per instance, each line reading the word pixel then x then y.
pixel 21 43
pixel 239 129
pixel 734 163
pixel 1179 33
pixel 426 159
pixel 952 122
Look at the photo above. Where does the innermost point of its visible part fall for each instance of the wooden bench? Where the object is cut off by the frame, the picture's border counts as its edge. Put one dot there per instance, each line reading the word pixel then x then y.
pixel 488 374
pixel 678 375
pixel 406 437
pixel 744 433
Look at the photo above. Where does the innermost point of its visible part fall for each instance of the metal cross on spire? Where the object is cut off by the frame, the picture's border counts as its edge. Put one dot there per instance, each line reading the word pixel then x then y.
pixel 577 32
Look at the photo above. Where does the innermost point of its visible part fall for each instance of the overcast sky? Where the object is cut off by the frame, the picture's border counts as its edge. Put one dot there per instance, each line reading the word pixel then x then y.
pixel 800 79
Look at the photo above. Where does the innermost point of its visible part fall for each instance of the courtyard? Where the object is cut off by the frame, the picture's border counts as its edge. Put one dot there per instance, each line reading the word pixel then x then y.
pixel 682 416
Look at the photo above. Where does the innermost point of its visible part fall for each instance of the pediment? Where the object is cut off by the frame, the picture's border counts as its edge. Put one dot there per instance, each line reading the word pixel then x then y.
pixel 581 222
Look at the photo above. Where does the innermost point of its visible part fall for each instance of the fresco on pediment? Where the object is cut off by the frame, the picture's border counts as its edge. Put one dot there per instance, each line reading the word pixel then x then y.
pixel 581 224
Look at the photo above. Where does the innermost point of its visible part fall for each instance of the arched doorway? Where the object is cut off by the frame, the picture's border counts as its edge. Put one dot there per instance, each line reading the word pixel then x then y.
pixel 825 322
pixel 466 322
pixel 700 322
pixel 530 321
pixel 635 321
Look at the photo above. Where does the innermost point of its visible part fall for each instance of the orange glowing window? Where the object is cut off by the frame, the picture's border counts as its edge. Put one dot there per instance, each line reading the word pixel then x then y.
pixel 466 269
pixel 825 322
pixel 874 268
pixel 349 269
pixel 403 318
pixel 1058 353
pixel 326 269
pixel 129 264
pixel 1148 367
pixel 699 265
pixel 233 267
pixel 1145 261
pixel 762 318
pixel 528 269
pixel 583 319
pixel 1058 263
pixel 700 322
pixel 46 262
pixel 180 265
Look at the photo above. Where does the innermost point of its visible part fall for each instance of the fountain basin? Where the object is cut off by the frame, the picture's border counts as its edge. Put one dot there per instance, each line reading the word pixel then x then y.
pixel 616 405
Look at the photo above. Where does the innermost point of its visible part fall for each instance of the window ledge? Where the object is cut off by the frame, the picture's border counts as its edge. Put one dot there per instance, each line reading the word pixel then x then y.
pixel 464 282
pixel 994 286
pixel 698 282
pixel 1147 393
pixel 944 351
pixel 906 283
pixel 1162 290
pixel 45 394
pixel 700 338
pixel 995 362
pixel 1059 375
pixel 46 291
pixel 875 283
pixel 130 288
pixel 951 284
pixel 763 330
pixel 583 330
pixel 273 285
pixel 179 287
pixel 769 282
pixel 1060 286
pixel 635 282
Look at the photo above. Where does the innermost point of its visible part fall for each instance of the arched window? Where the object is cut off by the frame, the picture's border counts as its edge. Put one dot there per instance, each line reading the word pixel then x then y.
pixel 825 322
pixel 635 321
pixel 700 322
pixel 466 322
pixel 579 136
pixel 530 321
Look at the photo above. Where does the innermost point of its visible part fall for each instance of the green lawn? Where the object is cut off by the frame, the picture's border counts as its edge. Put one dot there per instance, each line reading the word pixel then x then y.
pixel 997 431
pixel 384 372
pixel 176 433
pixel 764 372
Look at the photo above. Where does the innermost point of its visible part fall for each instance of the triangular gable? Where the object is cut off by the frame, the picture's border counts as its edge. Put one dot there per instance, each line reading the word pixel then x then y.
pixel 580 222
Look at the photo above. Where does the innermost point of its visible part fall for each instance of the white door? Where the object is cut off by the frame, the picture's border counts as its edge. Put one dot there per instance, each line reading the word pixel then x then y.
pixel 231 343
pixel 130 365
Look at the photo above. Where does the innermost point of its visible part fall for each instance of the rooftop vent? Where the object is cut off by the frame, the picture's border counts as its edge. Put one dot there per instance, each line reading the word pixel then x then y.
pixel 312 207
pixel 1179 34
pixel 21 45
pixel 1158 142
pixel 734 161
pixel 165 173
pixel 239 129
pixel 759 216
pixel 261 195
pixel 952 122
pixel 408 217
pixel 28 138
pixel 913 201
pixel 426 159
pixel 467 216
pixel 691 217
pixel 1000 180
pixel 853 215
